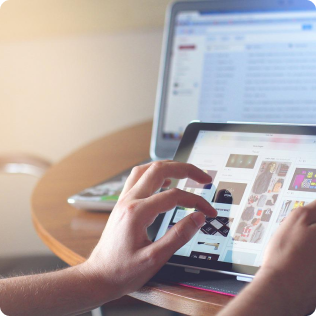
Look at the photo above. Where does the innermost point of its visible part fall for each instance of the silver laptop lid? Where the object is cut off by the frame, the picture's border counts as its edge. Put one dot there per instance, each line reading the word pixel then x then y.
pixel 245 60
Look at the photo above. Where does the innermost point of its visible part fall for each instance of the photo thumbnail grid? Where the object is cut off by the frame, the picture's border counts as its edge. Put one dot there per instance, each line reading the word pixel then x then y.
pixel 264 194
pixel 255 216
pixel 224 196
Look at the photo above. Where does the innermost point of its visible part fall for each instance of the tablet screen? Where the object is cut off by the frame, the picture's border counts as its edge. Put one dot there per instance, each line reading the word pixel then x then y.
pixel 258 179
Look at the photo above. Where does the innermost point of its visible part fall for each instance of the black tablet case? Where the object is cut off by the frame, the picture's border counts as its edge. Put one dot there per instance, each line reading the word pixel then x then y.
pixel 207 281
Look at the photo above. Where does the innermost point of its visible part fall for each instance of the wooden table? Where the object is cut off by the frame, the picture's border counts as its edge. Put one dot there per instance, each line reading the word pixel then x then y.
pixel 72 234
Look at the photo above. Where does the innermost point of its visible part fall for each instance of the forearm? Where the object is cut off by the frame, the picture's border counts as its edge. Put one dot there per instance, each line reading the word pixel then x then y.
pixel 266 295
pixel 66 292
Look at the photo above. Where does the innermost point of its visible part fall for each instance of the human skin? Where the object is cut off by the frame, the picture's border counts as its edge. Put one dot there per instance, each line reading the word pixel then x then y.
pixel 285 284
pixel 124 259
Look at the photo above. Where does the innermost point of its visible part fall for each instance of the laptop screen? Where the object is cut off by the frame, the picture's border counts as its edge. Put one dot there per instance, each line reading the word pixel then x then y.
pixel 258 67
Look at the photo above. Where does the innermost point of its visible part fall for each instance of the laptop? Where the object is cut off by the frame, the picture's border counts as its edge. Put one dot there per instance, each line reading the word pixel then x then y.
pixel 232 60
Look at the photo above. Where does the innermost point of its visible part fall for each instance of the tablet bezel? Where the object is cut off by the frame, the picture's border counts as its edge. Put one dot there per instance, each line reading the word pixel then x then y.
pixel 182 155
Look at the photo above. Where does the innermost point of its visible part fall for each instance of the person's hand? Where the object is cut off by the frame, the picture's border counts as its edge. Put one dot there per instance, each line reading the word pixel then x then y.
pixel 290 260
pixel 285 285
pixel 125 259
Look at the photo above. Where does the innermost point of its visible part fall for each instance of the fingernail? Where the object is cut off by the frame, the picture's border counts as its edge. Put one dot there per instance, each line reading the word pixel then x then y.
pixel 198 218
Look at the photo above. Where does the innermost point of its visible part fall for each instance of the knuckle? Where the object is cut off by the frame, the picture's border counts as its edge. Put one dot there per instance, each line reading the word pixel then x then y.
pixel 131 207
pixel 157 165
pixel 175 191
pixel 181 232
pixel 303 213
pixel 152 257
pixel 297 211
pixel 295 214
pixel 136 171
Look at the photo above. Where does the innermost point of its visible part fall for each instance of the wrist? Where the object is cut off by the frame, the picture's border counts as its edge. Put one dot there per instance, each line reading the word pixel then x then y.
pixel 281 287
pixel 101 288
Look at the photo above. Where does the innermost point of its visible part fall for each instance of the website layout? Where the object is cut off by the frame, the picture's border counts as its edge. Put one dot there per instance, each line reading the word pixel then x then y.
pixel 258 179
pixel 241 67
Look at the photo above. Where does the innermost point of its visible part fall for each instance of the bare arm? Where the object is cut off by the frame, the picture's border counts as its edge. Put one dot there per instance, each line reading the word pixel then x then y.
pixel 66 292
pixel 286 282
pixel 124 259
pixel 266 295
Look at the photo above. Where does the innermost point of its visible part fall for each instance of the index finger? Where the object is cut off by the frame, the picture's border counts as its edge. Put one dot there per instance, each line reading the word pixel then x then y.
pixel 154 177
pixel 135 175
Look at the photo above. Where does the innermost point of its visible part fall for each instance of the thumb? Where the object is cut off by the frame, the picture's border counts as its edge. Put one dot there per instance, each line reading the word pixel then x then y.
pixel 178 235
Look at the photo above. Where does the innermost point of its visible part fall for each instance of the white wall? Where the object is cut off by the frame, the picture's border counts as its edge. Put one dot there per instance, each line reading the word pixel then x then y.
pixel 18 237
pixel 61 93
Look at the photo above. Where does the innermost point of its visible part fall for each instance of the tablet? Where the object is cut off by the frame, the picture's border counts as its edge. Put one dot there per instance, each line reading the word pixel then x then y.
pixel 260 173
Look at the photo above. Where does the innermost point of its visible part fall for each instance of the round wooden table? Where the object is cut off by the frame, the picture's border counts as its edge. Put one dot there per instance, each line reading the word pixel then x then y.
pixel 72 234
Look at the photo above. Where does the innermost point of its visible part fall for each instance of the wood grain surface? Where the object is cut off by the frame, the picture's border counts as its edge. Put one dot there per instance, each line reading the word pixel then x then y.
pixel 72 234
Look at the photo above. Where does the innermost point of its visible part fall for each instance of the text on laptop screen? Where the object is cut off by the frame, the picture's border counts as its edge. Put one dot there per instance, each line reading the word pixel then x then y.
pixel 257 67
pixel 258 179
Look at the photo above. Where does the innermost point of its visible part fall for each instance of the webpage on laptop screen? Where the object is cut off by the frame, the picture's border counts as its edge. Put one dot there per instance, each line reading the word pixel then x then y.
pixel 257 67
pixel 258 179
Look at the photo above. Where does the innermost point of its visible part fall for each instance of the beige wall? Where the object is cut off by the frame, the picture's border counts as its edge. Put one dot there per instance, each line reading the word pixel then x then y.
pixel 59 94
pixel 62 87
pixel 25 19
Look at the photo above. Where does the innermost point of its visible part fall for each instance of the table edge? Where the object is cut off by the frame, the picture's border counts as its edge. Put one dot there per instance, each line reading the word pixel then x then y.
pixel 55 246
